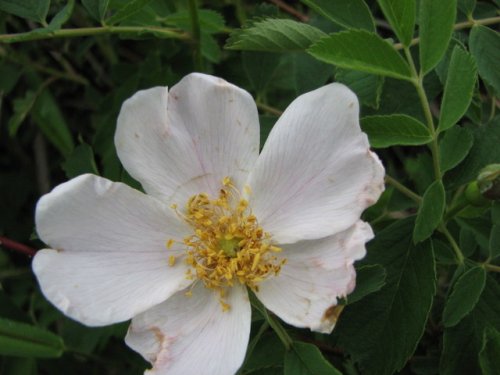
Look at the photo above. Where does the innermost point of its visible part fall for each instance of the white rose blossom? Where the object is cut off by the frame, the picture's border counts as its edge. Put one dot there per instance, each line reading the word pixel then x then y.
pixel 218 219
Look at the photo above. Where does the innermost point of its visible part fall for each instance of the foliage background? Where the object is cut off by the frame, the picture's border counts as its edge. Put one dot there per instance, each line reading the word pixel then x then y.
pixel 427 299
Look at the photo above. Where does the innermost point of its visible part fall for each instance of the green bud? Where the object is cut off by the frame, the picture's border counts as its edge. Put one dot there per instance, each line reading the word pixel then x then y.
pixel 488 182
pixel 473 195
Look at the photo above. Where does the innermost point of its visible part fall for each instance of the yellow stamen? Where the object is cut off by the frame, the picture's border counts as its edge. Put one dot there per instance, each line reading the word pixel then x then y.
pixel 227 245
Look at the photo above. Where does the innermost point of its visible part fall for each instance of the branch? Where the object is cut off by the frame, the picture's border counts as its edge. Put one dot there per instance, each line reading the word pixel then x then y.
pixel 17 246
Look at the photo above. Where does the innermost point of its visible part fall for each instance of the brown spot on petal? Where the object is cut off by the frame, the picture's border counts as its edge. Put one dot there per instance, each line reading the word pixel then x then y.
pixel 332 314
pixel 350 105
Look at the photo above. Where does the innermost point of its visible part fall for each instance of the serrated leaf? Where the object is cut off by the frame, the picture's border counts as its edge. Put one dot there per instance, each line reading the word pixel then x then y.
pixel 274 35
pixel 125 11
pixel 459 88
pixel 369 279
pixel 489 358
pixel 361 50
pixel 24 340
pixel 430 211
pixel 96 8
pixel 260 67
pixel 306 359
pixel 454 147
pixel 391 130
pixel 484 44
pixel 351 14
pixel 436 26
pixel 463 342
pixel 35 10
pixel 367 87
pixel 381 331
pixel 401 15
pixel 464 296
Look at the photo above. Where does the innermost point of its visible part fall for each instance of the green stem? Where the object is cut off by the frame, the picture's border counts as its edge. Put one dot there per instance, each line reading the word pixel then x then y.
pixel 240 12
pixel 91 31
pixel 273 323
pixel 268 108
pixel 491 267
pixel 196 35
pixel 458 26
pixel 418 82
pixel 458 253
pixel 403 189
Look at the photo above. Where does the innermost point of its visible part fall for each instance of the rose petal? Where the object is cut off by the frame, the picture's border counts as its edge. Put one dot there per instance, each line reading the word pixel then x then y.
pixel 110 260
pixel 192 335
pixel 317 272
pixel 316 173
pixel 185 142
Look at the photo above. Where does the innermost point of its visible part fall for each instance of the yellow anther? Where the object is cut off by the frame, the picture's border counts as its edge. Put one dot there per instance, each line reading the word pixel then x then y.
pixel 227 246
pixel 171 260
pixel 170 242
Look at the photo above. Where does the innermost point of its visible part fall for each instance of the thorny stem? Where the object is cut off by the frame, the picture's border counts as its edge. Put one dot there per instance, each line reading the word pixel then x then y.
pixel 17 246
pixel 403 189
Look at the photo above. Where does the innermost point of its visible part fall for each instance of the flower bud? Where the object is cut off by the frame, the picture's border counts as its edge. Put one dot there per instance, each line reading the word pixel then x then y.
pixel 488 182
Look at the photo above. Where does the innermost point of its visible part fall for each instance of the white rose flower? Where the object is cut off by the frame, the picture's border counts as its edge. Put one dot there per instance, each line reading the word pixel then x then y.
pixel 218 219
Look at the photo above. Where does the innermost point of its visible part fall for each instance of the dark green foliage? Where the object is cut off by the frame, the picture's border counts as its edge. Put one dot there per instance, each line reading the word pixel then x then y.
pixel 427 296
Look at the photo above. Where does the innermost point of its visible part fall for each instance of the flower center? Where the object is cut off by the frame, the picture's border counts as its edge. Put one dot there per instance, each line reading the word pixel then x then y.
pixel 227 245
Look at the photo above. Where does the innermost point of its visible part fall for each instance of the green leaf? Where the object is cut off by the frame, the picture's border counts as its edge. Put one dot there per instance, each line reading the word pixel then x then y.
pixel 430 211
pixel 80 161
pixel 459 88
pixel 489 358
pixel 260 68
pixel 308 73
pixel 361 50
pixel 454 147
pixel 484 44
pixel 467 6
pixel 391 130
pixel 24 340
pixel 35 10
pixel 306 359
pixel 96 8
pixel 495 241
pixel 22 106
pixel 274 35
pixel 484 151
pixel 436 26
pixel 401 15
pixel 351 14
pixel 495 213
pixel 131 7
pixel 210 21
pixel 367 87
pixel 47 115
pixel 464 296
pixel 62 16
pixel 381 331
pixel 463 342
pixel 369 279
